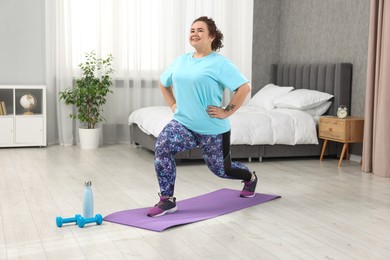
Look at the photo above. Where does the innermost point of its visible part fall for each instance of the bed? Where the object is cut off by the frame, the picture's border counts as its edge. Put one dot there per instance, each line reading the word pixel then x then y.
pixel 332 78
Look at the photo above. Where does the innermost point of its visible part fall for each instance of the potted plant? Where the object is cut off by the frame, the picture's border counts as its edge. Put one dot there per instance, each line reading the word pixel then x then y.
pixel 89 96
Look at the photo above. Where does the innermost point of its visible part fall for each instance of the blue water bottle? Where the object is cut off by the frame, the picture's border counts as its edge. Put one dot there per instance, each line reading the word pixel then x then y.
pixel 88 200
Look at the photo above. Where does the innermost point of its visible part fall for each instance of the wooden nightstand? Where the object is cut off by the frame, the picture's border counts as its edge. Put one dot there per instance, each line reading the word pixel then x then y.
pixel 347 130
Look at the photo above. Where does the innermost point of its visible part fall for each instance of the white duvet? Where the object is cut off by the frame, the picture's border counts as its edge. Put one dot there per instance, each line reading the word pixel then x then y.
pixel 249 125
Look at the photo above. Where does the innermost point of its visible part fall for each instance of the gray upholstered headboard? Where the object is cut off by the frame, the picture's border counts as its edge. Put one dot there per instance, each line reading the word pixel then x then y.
pixel 335 78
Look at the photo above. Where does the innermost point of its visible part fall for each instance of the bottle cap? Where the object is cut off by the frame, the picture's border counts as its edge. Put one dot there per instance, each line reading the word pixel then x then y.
pixel 88 183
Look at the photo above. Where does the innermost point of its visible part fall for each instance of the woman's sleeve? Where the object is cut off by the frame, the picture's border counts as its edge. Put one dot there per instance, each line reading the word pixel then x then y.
pixel 231 77
pixel 166 76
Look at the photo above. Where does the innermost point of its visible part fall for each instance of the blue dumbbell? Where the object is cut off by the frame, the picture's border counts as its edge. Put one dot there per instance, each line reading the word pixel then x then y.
pixel 60 220
pixel 82 221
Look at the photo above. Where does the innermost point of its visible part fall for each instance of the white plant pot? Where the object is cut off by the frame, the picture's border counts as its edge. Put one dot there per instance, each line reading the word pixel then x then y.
pixel 89 138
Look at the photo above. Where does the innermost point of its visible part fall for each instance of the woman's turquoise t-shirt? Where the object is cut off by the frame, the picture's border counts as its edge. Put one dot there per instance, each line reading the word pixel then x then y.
pixel 198 83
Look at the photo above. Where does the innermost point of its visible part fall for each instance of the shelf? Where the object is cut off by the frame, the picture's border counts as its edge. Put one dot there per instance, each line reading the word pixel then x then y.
pixel 26 96
pixel 6 96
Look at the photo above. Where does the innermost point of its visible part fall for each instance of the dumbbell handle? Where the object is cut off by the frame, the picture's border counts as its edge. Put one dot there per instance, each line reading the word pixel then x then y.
pixel 82 221
pixel 60 220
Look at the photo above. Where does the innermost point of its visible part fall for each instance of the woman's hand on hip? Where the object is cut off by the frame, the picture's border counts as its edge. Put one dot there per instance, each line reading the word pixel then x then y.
pixel 216 112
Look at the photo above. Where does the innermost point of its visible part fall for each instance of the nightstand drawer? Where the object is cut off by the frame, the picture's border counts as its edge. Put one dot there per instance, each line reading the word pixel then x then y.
pixel 332 129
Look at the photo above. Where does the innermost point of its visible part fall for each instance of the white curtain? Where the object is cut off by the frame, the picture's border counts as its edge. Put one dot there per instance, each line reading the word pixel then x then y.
pixel 144 36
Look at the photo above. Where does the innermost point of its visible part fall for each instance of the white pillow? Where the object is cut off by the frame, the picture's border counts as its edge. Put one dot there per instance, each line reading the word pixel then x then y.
pixel 319 110
pixel 265 96
pixel 302 99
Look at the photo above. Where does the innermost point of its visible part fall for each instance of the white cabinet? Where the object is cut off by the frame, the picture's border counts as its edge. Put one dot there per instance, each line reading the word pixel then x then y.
pixel 22 115
pixel 7 131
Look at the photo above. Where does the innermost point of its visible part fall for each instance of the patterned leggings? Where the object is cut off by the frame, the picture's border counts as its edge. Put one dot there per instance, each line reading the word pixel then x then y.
pixel 215 149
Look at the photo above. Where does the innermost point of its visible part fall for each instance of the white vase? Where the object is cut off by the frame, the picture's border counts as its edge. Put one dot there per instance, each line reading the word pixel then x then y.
pixel 89 138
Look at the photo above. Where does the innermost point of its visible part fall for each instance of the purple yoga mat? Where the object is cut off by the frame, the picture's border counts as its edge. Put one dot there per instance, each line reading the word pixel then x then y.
pixel 191 210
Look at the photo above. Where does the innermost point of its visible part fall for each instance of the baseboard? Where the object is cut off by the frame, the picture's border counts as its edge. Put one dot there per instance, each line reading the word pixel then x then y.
pixel 355 158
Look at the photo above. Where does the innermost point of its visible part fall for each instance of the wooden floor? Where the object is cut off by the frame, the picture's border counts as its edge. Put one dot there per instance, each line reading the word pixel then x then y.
pixel 325 212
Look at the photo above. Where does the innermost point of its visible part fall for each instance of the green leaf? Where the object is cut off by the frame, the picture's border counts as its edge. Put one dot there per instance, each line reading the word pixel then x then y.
pixel 90 91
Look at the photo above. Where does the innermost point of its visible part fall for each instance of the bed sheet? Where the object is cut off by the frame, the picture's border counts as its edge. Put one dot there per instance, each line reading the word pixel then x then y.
pixel 249 125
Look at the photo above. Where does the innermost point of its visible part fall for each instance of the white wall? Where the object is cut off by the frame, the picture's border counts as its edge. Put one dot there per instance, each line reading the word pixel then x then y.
pixel 22 42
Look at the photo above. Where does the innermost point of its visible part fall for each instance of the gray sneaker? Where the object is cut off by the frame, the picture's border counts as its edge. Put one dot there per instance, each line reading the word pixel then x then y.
pixel 249 189
pixel 164 206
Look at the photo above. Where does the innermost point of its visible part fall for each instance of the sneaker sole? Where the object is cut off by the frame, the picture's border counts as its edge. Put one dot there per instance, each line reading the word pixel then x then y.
pixel 250 196
pixel 172 210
